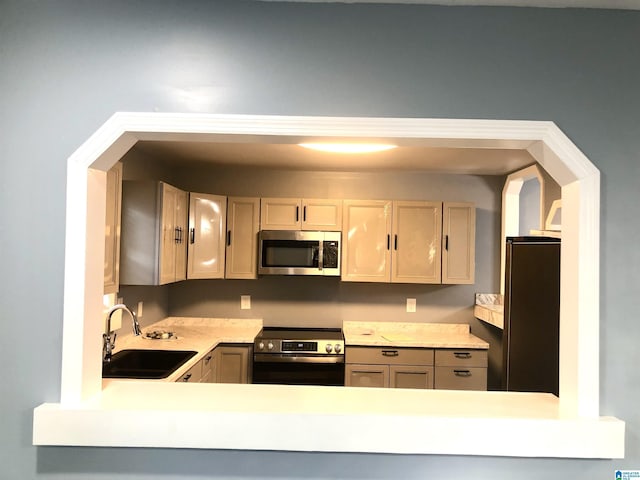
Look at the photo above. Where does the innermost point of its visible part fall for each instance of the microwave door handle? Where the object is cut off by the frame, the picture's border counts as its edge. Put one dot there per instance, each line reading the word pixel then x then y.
pixel 320 255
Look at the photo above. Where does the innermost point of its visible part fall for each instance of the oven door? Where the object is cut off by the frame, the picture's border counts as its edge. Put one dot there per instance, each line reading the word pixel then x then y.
pixel 287 369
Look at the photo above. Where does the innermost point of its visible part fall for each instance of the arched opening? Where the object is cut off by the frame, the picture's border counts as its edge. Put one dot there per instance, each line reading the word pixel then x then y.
pixel 521 424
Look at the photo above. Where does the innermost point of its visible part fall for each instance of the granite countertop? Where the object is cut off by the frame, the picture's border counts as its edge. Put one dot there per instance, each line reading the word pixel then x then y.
pixel 490 309
pixel 190 333
pixel 425 335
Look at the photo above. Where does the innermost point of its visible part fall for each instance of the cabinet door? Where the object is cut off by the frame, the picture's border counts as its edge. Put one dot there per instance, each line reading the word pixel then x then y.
pixel 169 233
pixel 233 364
pixel 417 237
pixel 207 229
pixel 112 229
pixel 208 368
pixel 193 375
pixel 459 243
pixel 366 375
pixel 180 244
pixel 243 217
pixel 410 376
pixel 366 241
pixel 323 215
pixel 280 214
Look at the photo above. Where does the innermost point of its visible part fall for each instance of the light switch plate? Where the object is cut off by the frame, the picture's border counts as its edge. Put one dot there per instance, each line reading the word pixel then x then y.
pixel 411 305
pixel 245 302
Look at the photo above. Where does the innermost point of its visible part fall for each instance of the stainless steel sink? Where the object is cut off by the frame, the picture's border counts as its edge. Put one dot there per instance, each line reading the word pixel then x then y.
pixel 151 364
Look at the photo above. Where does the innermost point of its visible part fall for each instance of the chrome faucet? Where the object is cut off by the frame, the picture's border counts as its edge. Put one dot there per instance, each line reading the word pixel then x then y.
pixel 109 337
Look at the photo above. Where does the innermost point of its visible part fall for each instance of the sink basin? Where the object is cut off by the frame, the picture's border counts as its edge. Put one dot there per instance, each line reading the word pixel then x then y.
pixel 150 364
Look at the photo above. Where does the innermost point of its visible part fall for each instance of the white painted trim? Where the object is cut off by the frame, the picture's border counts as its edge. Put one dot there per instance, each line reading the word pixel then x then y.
pixel 81 387
pixel 511 208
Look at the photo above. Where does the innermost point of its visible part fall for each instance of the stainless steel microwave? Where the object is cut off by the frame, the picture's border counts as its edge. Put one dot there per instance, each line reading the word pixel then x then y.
pixel 293 252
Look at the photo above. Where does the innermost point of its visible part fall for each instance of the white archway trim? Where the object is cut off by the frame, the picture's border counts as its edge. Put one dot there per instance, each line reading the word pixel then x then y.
pixel 511 208
pixel 494 423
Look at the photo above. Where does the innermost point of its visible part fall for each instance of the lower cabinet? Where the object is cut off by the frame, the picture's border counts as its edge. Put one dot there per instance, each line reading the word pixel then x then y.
pixel 442 368
pixel 389 367
pixel 233 363
pixel 223 364
pixel 458 369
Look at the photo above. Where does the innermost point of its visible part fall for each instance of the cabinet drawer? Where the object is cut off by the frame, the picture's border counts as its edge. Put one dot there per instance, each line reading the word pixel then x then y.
pixel 461 358
pixel 389 356
pixel 461 378
pixel 208 370
pixel 194 374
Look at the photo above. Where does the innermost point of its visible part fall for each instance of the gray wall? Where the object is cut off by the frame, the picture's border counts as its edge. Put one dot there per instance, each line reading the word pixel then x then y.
pixel 68 65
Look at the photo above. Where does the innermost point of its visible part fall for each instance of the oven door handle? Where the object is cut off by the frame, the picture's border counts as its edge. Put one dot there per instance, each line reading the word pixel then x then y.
pixel 289 358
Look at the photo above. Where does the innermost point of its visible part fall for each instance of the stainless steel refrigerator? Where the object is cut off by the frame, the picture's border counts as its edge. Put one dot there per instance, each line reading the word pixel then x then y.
pixel 530 342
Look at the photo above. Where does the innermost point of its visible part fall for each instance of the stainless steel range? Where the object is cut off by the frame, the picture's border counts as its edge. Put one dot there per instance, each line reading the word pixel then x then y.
pixel 299 356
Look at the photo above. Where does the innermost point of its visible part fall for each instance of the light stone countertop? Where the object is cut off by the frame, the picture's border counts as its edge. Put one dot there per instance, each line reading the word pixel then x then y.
pixel 424 335
pixel 492 314
pixel 192 333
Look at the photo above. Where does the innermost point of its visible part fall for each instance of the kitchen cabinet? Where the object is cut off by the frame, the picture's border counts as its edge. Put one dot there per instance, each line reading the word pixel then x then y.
pixel 408 242
pixel 461 369
pixel 366 253
pixel 385 241
pixel 153 236
pixel 233 363
pixel 207 229
pixel 112 229
pixel 417 233
pixel 389 367
pixel 193 375
pixel 209 369
pixel 243 223
pixel 300 214
pixel 459 243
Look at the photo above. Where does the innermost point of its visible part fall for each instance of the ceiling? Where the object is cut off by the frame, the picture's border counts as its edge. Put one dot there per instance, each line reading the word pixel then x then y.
pixel 607 4
pixel 473 161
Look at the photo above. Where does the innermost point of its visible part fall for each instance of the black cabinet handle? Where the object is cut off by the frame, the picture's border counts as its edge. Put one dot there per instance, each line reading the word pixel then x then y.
pixel 304 213
pixel 228 237
pixel 462 373
pixel 462 354
pixel 446 242
pixel 390 353
pixel 193 235
pixel 388 241
pixel 176 234
pixel 297 213
pixel 395 242
pixel 187 377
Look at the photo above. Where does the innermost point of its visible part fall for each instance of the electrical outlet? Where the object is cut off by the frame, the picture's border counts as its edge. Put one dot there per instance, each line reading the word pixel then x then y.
pixel 140 304
pixel 245 302
pixel 411 305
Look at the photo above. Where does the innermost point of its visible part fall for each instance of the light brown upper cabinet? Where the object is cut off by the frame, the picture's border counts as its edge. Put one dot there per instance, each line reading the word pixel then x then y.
pixel 417 233
pixel 458 243
pixel 153 238
pixel 243 223
pixel 112 229
pixel 300 214
pixel 366 241
pixel 207 230
pixel 403 242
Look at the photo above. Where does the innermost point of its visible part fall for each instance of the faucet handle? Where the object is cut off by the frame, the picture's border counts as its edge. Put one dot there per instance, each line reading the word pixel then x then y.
pixel 109 343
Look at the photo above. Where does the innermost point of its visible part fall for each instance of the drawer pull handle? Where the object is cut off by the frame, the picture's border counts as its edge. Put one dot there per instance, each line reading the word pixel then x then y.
pixel 186 377
pixel 462 354
pixel 462 373
pixel 390 353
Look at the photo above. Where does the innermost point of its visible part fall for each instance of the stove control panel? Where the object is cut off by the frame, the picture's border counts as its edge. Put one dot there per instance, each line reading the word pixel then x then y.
pixel 332 347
